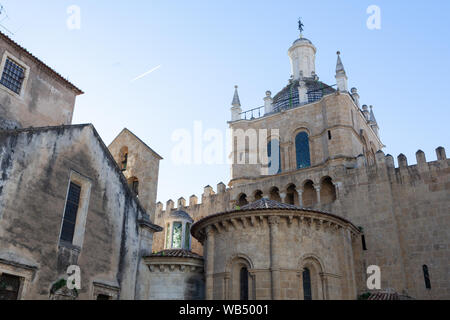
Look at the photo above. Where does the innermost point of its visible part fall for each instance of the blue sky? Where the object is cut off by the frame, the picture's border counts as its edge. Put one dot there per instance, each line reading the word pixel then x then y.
pixel 204 48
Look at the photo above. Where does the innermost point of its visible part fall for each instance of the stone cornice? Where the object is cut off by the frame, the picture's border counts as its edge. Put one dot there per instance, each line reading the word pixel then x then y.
pixel 164 264
pixel 230 221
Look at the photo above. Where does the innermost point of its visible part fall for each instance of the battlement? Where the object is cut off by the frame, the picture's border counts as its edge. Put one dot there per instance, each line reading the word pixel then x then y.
pixel 227 197
pixel 193 199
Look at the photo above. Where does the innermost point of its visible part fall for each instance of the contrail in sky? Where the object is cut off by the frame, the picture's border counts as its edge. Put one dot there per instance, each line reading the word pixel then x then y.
pixel 147 73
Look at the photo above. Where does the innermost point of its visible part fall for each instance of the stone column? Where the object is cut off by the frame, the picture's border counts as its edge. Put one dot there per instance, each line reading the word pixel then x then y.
pixel 318 193
pixel 226 285
pixel 283 197
pixel 274 258
pixel 300 197
pixel 209 262
pixel 252 276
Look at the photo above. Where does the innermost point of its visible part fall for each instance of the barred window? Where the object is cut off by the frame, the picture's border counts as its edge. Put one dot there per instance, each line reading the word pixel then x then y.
pixel 13 76
pixel 70 214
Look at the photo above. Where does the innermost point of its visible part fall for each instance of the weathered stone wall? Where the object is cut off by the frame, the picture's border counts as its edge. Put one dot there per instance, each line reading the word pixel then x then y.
pixel 284 242
pixel 403 211
pixel 179 279
pixel 36 165
pixel 46 100
pixel 143 163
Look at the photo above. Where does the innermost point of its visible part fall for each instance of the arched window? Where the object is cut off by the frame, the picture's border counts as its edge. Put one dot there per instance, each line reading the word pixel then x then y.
pixel 176 235
pixel 426 276
pixel 274 155
pixel 307 284
pixel 327 191
pixel 309 195
pixel 258 195
pixel 243 280
pixel 275 194
pixel 133 183
pixel 187 237
pixel 302 150
pixel 123 158
pixel 242 200
pixel 291 195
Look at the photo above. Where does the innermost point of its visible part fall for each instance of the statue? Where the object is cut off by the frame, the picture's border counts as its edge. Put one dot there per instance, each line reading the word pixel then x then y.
pixel 300 25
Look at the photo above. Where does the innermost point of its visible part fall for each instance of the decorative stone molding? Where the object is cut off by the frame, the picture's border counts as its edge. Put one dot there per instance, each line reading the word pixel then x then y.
pixel 242 219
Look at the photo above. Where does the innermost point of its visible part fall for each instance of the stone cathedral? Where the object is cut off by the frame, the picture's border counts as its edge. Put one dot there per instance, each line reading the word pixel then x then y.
pixel 310 206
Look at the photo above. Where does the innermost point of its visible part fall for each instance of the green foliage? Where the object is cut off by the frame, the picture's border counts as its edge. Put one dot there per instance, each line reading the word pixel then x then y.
pixel 364 296
pixel 58 285
pixel 61 283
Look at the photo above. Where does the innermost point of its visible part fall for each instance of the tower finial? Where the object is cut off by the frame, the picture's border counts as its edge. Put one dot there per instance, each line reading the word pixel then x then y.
pixel 236 101
pixel 341 76
pixel 300 27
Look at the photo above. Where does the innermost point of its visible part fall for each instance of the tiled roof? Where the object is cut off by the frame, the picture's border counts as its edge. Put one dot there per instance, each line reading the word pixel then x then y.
pixel 388 295
pixel 40 63
pixel 181 214
pixel 288 97
pixel 383 296
pixel 177 253
pixel 268 204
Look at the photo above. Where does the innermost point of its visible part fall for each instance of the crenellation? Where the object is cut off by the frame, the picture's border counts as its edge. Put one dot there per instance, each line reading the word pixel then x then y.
pixel 169 205
pixel 181 203
pixel 402 161
pixel 390 161
pixel 440 152
pixel 420 157
pixel 193 200
pixel 221 188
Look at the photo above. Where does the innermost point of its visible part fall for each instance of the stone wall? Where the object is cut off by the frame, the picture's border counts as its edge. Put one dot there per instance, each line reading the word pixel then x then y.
pixel 36 165
pixel 275 246
pixel 143 164
pixel 337 113
pixel 404 213
pixel 46 99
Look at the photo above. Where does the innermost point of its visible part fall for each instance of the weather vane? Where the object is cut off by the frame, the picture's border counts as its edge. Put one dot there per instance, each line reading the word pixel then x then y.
pixel 300 25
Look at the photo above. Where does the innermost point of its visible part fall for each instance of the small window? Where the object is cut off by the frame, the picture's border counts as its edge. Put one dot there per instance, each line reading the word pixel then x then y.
pixel 363 239
pixel 176 235
pixel 274 155
pixel 187 237
pixel 13 76
pixel 70 214
pixel 133 183
pixel 329 135
pixel 244 283
pixel 426 276
pixel 9 287
pixel 103 297
pixel 125 162
pixel 307 284
pixel 302 150
pixel 167 235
